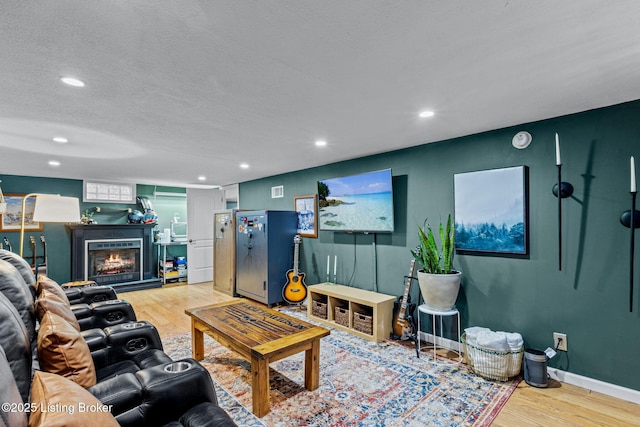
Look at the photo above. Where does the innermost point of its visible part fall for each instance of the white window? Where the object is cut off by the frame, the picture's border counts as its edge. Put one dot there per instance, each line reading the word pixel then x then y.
pixel 108 192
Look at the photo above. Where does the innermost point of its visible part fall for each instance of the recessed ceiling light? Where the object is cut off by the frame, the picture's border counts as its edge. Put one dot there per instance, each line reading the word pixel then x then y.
pixel 60 139
pixel 427 113
pixel 72 81
pixel 321 143
pixel 244 165
pixel 202 178
pixel 54 163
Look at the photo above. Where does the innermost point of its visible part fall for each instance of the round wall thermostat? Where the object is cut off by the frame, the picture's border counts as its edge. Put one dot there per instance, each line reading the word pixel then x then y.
pixel 521 139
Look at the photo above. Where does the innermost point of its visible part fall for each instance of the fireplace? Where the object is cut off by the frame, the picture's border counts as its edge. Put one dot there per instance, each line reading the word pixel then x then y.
pixel 113 261
pixel 117 255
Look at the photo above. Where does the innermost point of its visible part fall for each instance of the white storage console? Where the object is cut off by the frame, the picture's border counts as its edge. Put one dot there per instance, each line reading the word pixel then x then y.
pixel 363 313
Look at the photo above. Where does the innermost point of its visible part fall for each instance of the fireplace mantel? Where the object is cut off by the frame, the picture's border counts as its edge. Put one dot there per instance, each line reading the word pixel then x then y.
pixel 82 232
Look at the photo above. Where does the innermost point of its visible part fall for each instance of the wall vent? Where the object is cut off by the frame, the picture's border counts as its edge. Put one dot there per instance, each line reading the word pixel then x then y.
pixel 277 192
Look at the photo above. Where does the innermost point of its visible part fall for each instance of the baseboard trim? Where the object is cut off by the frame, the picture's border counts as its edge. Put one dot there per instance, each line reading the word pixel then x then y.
pixel 592 384
pixel 441 342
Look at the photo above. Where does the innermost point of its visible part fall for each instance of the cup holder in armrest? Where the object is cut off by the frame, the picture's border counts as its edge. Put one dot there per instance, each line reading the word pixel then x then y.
pixel 132 325
pixel 178 367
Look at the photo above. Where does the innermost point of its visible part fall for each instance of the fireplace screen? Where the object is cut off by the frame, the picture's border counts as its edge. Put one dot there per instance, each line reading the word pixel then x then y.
pixel 114 261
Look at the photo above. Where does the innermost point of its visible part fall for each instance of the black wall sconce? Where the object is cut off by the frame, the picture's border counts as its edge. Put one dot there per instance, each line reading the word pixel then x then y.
pixel 561 190
pixel 631 220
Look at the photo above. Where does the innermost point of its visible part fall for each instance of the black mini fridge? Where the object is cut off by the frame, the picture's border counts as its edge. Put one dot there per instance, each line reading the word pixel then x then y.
pixel 264 253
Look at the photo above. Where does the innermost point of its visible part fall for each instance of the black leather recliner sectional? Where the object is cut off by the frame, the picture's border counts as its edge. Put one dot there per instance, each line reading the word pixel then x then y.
pixel 140 384
pixel 94 306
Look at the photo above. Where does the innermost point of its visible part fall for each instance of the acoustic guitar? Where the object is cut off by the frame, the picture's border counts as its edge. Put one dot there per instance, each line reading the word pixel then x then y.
pixel 295 290
pixel 403 325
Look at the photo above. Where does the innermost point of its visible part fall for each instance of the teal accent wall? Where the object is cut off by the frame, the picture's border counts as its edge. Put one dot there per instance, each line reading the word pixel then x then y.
pixel 57 236
pixel 588 300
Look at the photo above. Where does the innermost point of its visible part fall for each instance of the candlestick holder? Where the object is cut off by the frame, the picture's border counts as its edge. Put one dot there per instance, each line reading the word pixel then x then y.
pixel 561 190
pixel 566 190
pixel 625 219
pixel 631 221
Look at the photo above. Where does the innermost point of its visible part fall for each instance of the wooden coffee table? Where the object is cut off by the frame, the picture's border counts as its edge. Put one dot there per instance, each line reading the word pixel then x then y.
pixel 260 335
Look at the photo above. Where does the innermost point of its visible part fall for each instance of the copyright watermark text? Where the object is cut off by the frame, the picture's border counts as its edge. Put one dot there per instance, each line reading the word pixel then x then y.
pixel 79 407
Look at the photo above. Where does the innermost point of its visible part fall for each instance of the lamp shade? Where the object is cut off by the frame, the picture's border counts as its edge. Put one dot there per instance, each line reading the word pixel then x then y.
pixel 55 208
pixel 3 204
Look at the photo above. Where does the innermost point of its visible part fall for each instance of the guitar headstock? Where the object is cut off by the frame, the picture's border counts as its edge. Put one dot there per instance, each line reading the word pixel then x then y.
pixel 32 240
pixel 44 242
pixel 297 239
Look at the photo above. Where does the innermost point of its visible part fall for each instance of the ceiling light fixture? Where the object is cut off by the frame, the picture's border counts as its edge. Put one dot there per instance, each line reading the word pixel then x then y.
pixel 202 178
pixel 54 163
pixel 244 165
pixel 60 139
pixel 72 81
pixel 426 113
pixel 321 143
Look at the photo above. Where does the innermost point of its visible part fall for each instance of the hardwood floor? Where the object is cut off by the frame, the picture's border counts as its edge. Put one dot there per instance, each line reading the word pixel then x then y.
pixel 558 405
pixel 164 307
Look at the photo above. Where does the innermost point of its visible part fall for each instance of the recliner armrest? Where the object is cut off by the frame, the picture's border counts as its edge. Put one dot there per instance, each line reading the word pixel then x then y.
pixel 83 315
pixel 88 292
pixel 81 310
pixel 122 393
pixel 74 295
pixel 127 340
pixel 95 338
pixel 172 389
pixel 103 314
pixel 91 294
pixel 112 312
pixel 206 414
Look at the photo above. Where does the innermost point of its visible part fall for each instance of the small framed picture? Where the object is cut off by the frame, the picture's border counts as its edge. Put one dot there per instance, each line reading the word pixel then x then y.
pixel 307 209
pixel 12 218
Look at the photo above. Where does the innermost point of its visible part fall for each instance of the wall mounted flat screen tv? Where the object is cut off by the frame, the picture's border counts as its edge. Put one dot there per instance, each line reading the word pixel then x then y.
pixel 357 203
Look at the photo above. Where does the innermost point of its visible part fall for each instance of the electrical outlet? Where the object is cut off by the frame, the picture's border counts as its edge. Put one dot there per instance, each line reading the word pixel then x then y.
pixel 562 346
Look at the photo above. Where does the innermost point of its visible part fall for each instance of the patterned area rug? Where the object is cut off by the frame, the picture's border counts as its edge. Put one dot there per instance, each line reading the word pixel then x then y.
pixel 361 384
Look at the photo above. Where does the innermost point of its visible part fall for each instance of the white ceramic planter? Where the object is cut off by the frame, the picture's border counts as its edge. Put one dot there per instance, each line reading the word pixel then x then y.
pixel 440 291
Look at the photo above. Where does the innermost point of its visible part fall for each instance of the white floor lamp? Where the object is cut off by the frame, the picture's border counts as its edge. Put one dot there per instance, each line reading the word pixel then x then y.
pixel 50 208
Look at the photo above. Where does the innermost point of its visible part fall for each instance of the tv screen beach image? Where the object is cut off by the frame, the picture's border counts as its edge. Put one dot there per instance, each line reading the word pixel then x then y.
pixel 357 203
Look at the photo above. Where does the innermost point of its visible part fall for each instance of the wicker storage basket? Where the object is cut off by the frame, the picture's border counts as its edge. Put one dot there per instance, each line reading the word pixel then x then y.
pixel 492 364
pixel 342 316
pixel 363 323
pixel 319 309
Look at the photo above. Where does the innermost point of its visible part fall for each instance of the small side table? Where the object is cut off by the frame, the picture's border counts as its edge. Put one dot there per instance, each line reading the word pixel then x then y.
pixel 438 313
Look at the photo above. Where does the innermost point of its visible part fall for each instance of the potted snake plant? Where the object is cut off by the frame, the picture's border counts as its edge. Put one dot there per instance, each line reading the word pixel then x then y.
pixel 439 282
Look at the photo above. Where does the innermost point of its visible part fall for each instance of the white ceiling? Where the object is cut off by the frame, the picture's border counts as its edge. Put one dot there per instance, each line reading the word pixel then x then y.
pixel 182 88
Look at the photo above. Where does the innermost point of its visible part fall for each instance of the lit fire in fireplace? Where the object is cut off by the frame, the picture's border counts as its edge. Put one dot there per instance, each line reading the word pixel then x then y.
pixel 115 264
